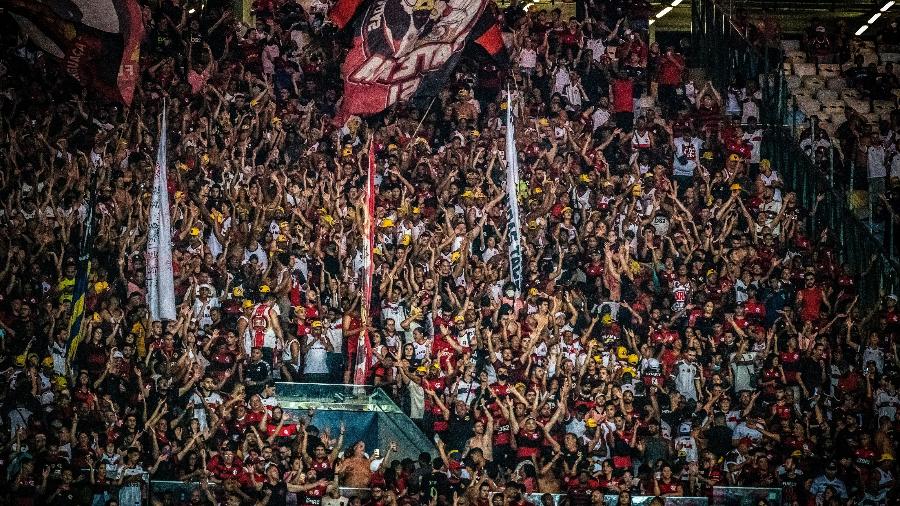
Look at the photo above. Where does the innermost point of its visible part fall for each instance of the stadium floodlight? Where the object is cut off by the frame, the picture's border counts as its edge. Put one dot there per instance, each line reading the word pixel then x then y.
pixel 663 12
pixel 861 30
pixel 676 3
pixel 887 6
pixel 874 17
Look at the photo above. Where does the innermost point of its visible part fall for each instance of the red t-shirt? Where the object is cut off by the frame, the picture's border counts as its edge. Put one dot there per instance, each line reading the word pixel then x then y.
pixel 623 95
pixel 670 72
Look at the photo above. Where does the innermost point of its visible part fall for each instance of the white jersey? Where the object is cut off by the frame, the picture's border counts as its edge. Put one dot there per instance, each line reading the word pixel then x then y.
pixel 686 448
pixel 685 373
pixel 639 140
pixel 467 391
pixel 260 333
pixel 886 403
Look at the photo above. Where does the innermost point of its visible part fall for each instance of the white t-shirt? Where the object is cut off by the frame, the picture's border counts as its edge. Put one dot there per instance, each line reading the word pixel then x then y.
pixel 315 356
pixel 211 400
pixel 686 447
pixel 876 160
pixel 561 80
pixel 755 140
pixel 201 310
pixel 528 59
pixel 600 117
pixel 742 431
pixel 886 404
pixel 598 49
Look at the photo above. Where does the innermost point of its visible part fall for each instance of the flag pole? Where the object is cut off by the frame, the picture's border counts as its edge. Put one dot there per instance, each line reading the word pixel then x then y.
pixel 422 120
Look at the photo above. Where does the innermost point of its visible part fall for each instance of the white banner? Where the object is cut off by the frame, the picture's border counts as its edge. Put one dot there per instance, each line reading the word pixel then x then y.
pixel 512 186
pixel 160 285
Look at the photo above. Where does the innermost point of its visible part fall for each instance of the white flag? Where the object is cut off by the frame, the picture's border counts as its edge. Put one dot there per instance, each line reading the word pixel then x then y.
pixel 512 185
pixel 160 285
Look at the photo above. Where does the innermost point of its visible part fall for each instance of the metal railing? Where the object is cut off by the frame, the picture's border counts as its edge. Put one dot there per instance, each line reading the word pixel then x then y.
pixel 721 47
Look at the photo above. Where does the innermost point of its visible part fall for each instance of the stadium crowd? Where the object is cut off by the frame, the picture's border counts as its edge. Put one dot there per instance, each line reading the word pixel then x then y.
pixel 678 329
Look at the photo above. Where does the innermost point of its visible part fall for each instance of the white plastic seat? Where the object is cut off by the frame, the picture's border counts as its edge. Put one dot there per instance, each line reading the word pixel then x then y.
pixel 837 84
pixel 796 56
pixel 829 70
pixel 849 93
pixel 804 69
pixel 813 83
pixel 860 106
pixel 837 119
pixel 809 107
pixel 790 45
pixel 833 108
pixel 826 95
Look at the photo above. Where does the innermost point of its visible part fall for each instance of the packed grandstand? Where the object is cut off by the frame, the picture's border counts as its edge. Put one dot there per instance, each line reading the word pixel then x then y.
pixel 643 310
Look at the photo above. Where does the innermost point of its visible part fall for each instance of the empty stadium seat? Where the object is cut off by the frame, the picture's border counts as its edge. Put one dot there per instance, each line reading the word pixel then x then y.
pixel 826 95
pixel 793 82
pixel 829 70
pixel 795 56
pixel 805 69
pixel 813 83
pixel 790 45
pixel 837 84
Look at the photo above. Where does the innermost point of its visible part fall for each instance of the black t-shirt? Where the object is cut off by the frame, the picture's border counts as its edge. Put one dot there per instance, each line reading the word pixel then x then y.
pixel 811 373
pixel 278 492
pixel 435 484
pixel 719 439
pixel 461 429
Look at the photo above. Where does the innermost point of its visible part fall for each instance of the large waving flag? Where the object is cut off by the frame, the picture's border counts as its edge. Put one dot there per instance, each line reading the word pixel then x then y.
pixel 160 283
pixel 512 184
pixel 404 50
pixel 97 41
pixel 85 248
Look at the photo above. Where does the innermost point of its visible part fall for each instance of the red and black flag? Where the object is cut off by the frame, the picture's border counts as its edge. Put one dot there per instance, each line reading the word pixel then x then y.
pixel 404 50
pixel 97 41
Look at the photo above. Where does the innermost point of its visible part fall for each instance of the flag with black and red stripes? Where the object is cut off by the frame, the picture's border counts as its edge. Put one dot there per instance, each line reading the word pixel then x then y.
pixel 98 42
pixel 404 50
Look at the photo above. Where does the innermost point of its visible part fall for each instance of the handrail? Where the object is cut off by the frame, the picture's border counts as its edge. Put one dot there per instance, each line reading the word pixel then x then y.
pixel 725 52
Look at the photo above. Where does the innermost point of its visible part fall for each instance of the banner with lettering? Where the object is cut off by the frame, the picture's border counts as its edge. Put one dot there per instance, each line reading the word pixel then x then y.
pixel 160 283
pixel 405 51
pixel 97 41
pixel 512 185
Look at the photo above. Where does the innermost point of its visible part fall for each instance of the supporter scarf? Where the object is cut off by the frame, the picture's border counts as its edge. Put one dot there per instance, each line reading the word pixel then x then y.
pixel 363 346
pixel 405 51
pixel 512 183
pixel 160 283
pixel 97 41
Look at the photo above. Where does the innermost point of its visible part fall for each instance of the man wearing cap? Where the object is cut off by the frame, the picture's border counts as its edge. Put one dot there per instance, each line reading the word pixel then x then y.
pixel 316 349
pixel 828 479
pixel 204 302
